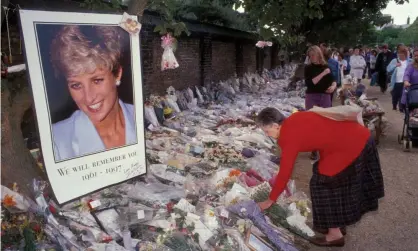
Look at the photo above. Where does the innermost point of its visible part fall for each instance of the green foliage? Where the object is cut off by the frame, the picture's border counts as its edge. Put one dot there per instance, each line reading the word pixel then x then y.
pixel 217 12
pixel 293 22
pixel 410 34
pixel 99 5
pixel 394 35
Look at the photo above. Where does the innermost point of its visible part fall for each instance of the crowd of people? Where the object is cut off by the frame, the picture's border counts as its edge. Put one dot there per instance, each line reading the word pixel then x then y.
pixel 394 70
pixel 347 179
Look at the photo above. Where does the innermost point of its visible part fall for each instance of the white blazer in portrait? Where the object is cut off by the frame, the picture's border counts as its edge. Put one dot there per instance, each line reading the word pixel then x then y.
pixel 77 136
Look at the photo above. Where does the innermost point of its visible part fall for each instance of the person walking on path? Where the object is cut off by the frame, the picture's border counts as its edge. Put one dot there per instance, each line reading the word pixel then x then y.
pixel 358 64
pixel 347 180
pixel 382 62
pixel 397 69
pixel 334 66
pixel 373 57
pixel 319 81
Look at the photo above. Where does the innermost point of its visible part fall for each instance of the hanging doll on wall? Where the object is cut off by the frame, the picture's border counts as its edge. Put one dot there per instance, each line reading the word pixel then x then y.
pixel 169 44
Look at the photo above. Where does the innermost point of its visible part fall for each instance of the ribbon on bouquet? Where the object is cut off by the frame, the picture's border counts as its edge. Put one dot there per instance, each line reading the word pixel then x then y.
pixel 167 41
pixel 129 24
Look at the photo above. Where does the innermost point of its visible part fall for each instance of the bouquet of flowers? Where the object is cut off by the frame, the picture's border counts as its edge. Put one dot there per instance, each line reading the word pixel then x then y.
pixel 278 214
pixel 169 61
pixel 224 155
pixel 262 44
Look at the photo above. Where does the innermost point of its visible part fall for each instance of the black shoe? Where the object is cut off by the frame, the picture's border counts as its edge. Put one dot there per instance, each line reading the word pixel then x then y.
pixel 322 242
pixel 314 156
pixel 325 231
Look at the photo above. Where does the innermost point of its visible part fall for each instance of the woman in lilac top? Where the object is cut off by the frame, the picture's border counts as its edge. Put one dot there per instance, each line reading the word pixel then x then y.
pixel 411 75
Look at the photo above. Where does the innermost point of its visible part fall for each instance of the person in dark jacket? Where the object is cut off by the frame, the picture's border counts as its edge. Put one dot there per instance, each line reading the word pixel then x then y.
pixel 382 61
pixel 346 57
pixel 334 66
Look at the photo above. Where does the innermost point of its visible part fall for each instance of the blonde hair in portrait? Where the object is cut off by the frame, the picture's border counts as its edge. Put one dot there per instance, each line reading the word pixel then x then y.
pixel 76 50
pixel 320 59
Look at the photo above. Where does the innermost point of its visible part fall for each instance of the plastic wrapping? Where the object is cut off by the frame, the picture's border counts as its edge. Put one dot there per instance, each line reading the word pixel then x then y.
pixel 110 219
pixel 155 194
pixel 250 210
pixel 14 202
pixel 168 60
pixel 167 174
pixel 199 95
pixel 257 139
pixel 173 105
pixel 150 115
pixel 106 247
pixel 263 166
pixel 89 234
pixel 237 237
pixel 135 214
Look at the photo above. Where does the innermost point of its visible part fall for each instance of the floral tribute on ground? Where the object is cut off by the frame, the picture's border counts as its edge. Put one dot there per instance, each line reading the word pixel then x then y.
pixel 209 165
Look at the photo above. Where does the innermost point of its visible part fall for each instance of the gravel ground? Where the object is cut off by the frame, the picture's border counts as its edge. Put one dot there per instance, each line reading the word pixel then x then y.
pixel 395 225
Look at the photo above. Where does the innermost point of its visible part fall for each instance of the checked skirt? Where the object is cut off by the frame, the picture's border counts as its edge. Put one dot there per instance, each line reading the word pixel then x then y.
pixel 341 200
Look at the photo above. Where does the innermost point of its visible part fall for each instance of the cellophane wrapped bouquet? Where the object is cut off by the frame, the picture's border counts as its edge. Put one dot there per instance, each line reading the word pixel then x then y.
pixel 169 44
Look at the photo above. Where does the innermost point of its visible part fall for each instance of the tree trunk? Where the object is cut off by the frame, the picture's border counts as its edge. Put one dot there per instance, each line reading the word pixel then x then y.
pixel 3 3
pixel 17 163
pixel 137 7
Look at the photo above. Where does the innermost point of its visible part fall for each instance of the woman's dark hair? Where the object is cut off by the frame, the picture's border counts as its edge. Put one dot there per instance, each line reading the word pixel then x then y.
pixel 270 116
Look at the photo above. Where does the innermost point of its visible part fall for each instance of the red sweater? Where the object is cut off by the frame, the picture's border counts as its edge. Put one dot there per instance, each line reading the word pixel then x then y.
pixel 339 143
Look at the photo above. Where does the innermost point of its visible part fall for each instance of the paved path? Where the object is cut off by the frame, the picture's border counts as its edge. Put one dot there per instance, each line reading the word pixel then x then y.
pixel 395 225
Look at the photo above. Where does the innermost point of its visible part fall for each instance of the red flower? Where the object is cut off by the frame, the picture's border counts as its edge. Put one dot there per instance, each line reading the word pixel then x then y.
pixel 52 209
pixel 36 227
pixel 107 239
pixel 169 207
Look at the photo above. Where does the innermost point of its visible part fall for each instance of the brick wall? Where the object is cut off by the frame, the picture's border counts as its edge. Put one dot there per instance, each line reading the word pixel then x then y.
pixel 202 58
pixel 187 55
pixel 249 58
pixel 223 60
pixel 267 58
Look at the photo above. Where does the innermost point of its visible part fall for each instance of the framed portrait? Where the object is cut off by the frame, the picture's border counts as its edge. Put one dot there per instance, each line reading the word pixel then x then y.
pixel 256 243
pixel 86 81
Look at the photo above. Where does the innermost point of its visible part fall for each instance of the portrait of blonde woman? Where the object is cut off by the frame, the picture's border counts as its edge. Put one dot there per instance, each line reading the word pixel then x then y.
pixel 87 66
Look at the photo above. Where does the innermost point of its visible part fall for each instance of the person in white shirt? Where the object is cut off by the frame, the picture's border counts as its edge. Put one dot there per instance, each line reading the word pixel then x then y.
pixel 397 68
pixel 358 64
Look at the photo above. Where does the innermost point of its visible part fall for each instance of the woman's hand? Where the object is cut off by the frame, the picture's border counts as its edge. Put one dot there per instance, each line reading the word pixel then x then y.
pixel 398 64
pixel 406 84
pixel 327 71
pixel 331 89
pixel 265 204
